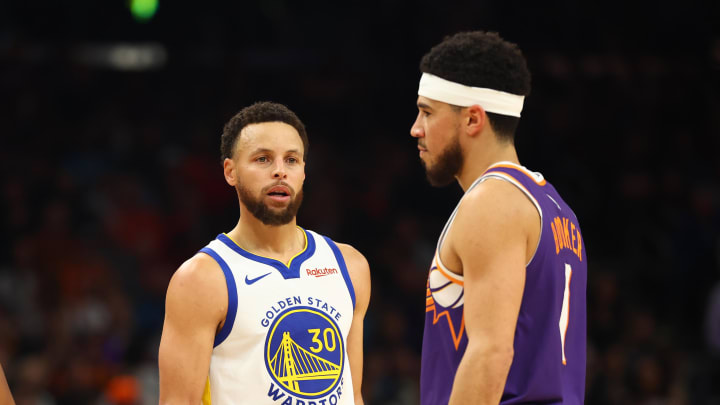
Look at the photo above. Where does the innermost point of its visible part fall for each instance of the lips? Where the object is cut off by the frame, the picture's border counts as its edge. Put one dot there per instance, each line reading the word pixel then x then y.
pixel 279 193
pixel 421 150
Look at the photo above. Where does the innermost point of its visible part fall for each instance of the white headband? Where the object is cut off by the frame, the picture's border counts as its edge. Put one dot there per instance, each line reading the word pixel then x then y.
pixel 494 101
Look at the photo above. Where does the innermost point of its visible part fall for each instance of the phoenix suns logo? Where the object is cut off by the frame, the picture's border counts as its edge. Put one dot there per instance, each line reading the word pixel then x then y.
pixel 304 352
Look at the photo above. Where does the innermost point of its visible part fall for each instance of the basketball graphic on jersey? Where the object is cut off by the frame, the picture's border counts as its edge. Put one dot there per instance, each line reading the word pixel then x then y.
pixel 305 352
pixel 445 292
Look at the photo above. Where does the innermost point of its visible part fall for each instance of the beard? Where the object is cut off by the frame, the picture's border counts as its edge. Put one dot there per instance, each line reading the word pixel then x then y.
pixel 266 214
pixel 447 165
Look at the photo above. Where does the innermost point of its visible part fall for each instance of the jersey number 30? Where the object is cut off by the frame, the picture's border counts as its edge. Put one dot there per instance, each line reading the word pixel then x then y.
pixel 329 341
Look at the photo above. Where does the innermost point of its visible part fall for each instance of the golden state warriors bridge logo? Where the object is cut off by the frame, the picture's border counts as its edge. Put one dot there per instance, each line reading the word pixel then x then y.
pixel 304 353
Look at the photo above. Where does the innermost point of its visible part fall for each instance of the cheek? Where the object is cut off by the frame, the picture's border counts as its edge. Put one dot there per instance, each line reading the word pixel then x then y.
pixel 296 177
pixel 435 134
pixel 432 140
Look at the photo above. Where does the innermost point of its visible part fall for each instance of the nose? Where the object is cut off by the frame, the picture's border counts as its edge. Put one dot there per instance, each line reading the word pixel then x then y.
pixel 279 171
pixel 416 131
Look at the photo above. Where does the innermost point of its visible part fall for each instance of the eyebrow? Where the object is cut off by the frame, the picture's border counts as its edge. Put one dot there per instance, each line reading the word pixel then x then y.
pixel 423 105
pixel 265 150
pixel 260 150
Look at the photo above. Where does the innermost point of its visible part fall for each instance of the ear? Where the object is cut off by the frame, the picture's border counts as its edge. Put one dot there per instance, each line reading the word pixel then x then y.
pixel 475 120
pixel 229 171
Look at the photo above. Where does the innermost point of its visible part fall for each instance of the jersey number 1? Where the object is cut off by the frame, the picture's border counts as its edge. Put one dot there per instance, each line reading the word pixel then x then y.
pixel 565 314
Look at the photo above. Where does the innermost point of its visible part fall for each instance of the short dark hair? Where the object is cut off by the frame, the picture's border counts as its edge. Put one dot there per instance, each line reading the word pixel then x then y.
pixel 482 59
pixel 259 112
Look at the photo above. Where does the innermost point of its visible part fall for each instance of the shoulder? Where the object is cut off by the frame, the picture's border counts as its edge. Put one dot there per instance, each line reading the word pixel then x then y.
pixel 499 199
pixel 200 271
pixel 353 257
pixel 500 208
pixel 199 283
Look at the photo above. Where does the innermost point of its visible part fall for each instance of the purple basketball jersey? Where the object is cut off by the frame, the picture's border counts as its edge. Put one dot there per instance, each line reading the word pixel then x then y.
pixel 550 336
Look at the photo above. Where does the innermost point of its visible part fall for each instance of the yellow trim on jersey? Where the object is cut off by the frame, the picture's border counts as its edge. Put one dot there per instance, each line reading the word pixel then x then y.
pixel 206 400
pixel 304 249
pixel 270 258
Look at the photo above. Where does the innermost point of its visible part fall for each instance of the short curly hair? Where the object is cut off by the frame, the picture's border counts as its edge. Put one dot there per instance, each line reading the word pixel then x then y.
pixel 259 112
pixel 482 59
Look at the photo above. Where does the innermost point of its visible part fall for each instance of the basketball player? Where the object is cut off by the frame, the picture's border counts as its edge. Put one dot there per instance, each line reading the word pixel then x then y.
pixel 267 313
pixel 505 308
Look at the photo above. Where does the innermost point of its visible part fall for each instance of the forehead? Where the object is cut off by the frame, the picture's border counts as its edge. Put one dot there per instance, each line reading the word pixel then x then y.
pixel 424 102
pixel 277 136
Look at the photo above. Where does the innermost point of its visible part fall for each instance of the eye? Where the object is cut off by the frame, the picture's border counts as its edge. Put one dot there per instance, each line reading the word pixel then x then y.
pixel 292 159
pixel 424 113
pixel 262 159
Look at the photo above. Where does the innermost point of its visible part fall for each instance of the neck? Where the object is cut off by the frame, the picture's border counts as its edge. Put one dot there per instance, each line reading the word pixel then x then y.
pixel 481 155
pixel 254 236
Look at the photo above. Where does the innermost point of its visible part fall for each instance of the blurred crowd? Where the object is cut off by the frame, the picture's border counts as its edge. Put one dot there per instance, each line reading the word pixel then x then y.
pixel 110 180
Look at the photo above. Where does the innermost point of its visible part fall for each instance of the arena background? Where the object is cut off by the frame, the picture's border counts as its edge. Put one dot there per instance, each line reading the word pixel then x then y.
pixel 111 176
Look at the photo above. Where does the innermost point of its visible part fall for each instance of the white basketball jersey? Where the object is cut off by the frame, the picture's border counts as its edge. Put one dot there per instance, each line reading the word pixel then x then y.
pixel 285 333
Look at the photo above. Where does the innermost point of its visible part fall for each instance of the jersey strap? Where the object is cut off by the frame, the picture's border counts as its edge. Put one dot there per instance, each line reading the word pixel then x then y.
pixel 343 268
pixel 232 296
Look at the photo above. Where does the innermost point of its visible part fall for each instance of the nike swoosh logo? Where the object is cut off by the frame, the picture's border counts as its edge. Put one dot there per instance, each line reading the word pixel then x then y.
pixel 249 281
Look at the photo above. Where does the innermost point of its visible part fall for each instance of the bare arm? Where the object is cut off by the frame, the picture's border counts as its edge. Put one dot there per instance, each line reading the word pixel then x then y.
pixel 490 239
pixel 195 307
pixel 360 275
pixel 5 395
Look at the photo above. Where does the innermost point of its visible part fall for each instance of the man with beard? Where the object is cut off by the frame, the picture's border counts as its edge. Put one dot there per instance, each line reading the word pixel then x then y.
pixel 267 313
pixel 505 306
